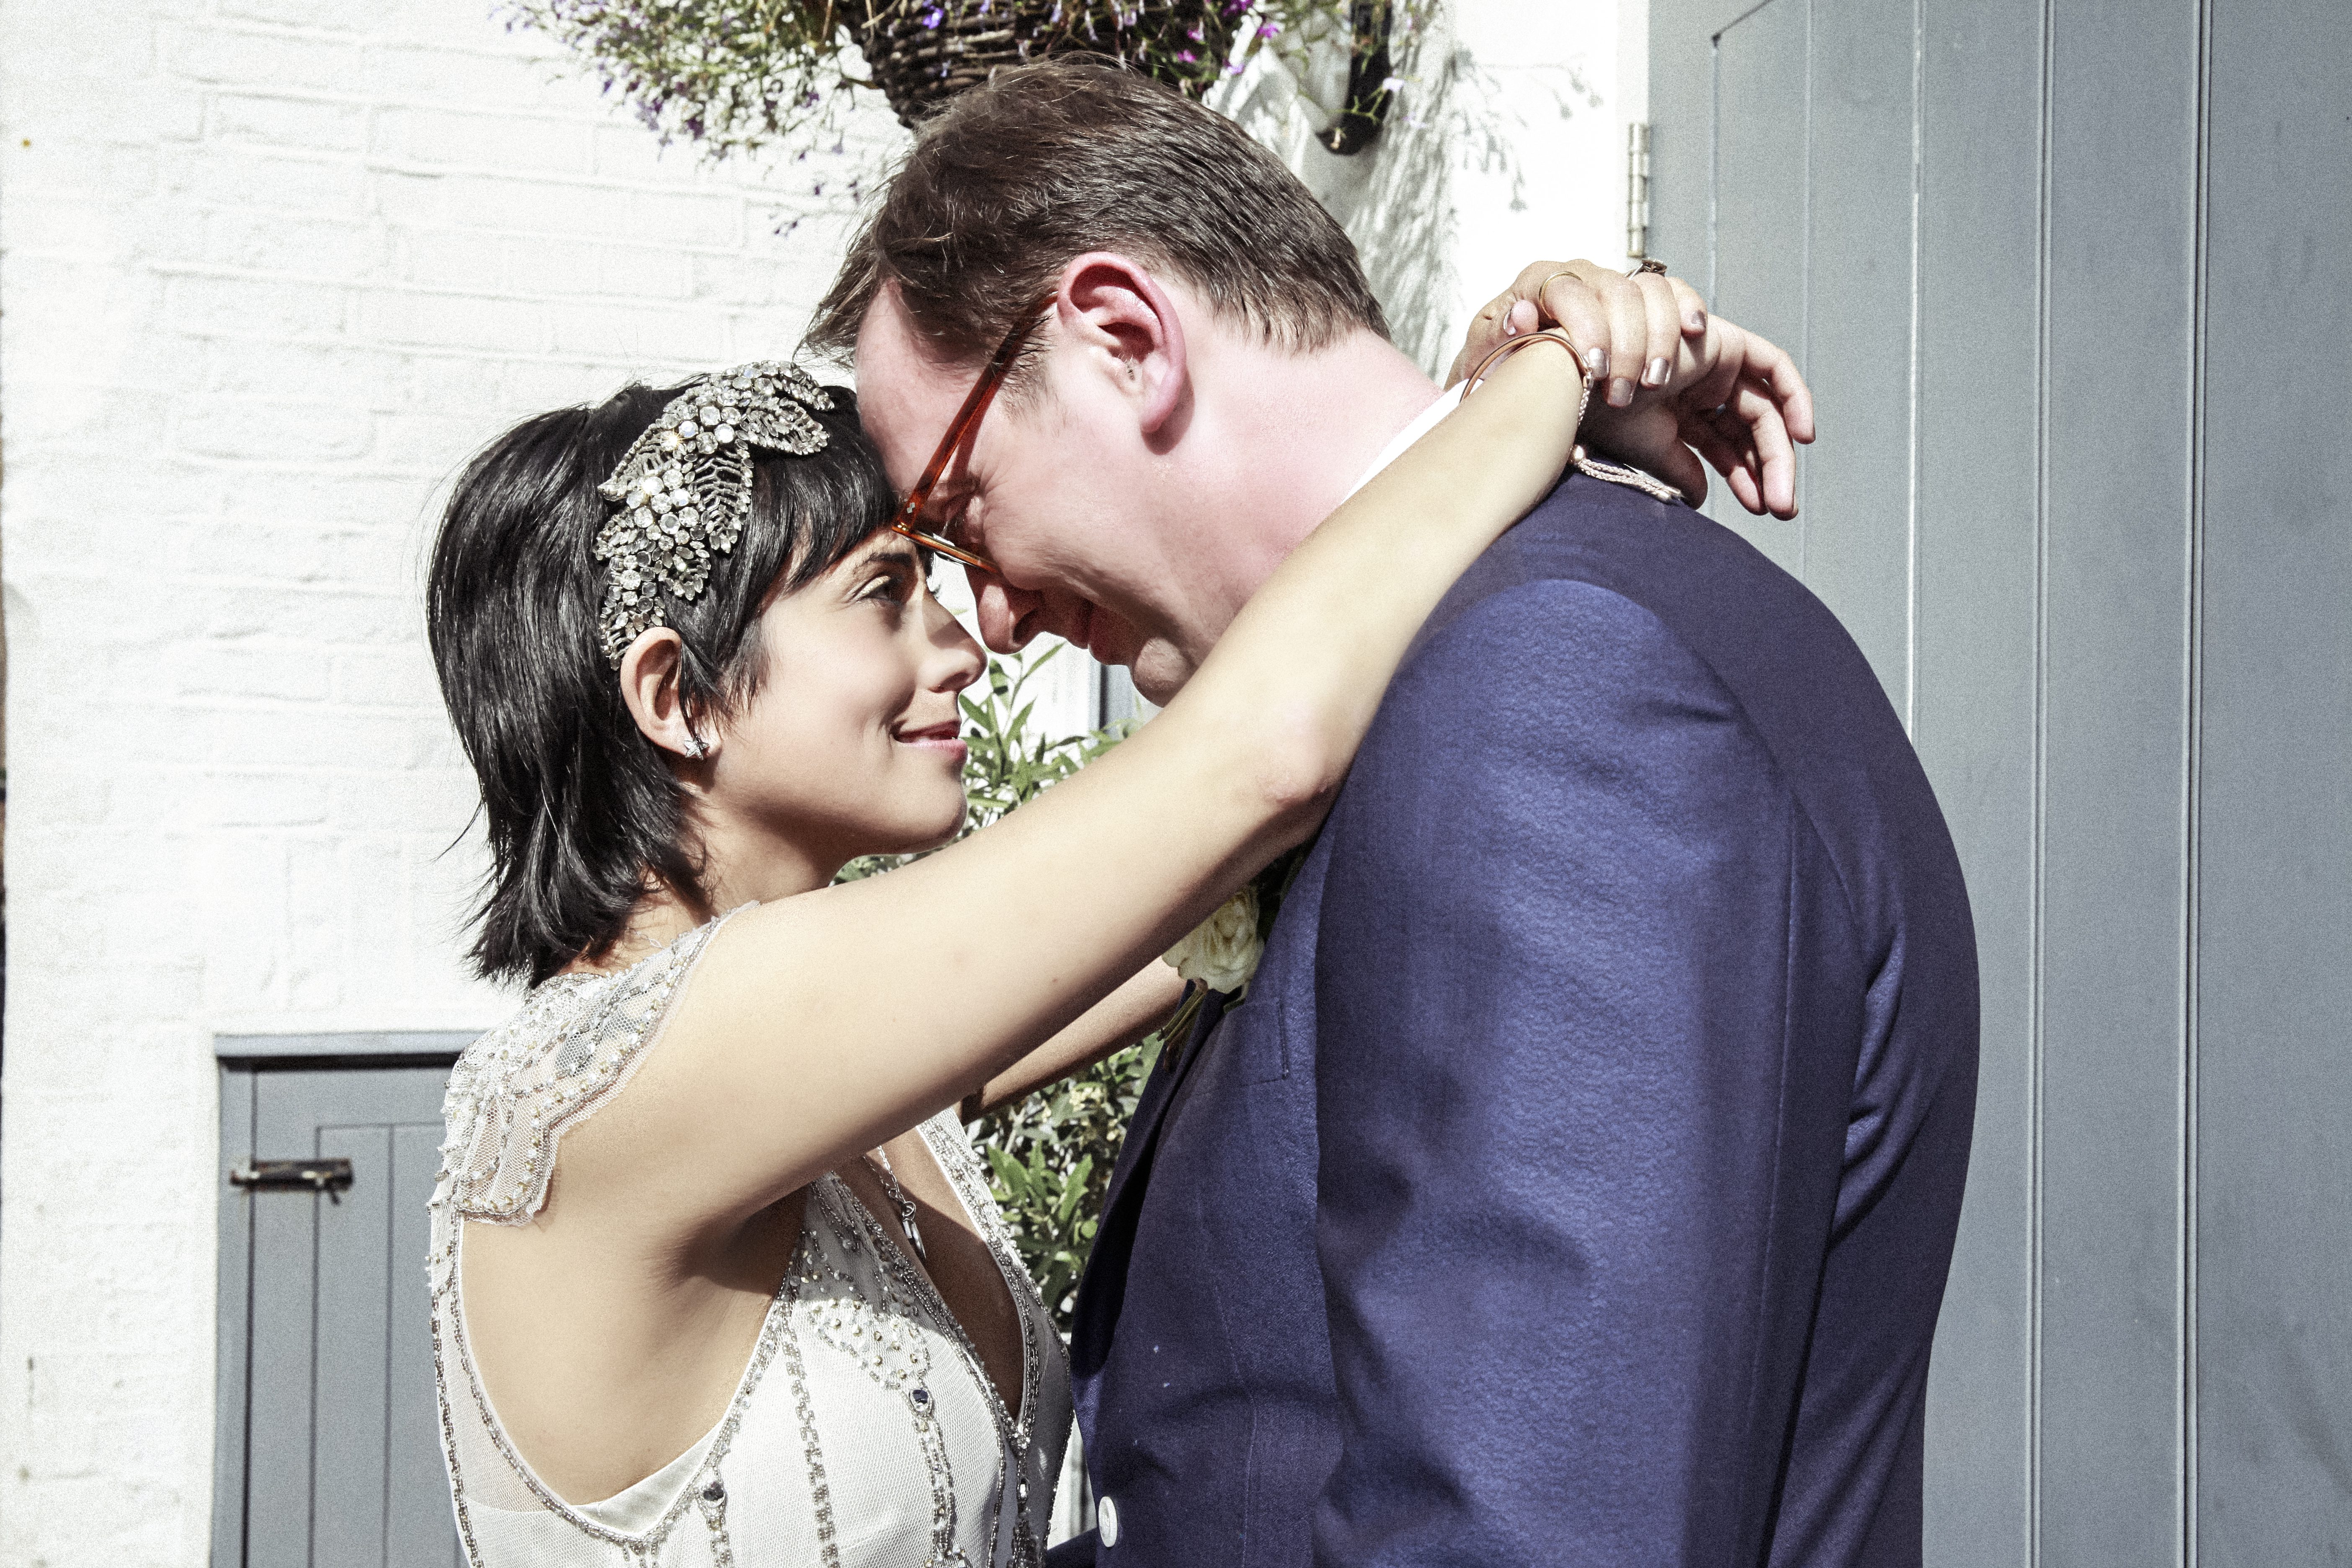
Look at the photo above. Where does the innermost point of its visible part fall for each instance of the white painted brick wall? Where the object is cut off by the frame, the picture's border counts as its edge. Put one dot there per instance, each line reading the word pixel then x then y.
pixel 270 270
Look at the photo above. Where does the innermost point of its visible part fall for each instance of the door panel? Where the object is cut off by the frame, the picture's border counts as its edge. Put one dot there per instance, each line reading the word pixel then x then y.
pixel 1855 529
pixel 2118 526
pixel 1976 722
pixel 2063 274
pixel 2274 888
pixel 417 1524
pixel 1758 196
pixel 341 1462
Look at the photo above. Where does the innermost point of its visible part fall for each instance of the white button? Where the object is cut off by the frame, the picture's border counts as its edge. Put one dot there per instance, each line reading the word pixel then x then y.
pixel 1106 1520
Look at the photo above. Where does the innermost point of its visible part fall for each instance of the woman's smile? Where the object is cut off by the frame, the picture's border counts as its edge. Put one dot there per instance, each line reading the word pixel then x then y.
pixel 945 737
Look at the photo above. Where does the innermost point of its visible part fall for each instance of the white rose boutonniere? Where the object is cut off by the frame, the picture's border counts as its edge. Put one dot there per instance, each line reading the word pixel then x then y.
pixel 1221 953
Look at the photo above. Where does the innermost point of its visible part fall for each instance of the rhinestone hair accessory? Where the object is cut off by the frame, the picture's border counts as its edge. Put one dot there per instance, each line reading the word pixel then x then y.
pixel 684 489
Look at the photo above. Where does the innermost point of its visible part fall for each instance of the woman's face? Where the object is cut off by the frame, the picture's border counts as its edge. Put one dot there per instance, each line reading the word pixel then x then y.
pixel 851 746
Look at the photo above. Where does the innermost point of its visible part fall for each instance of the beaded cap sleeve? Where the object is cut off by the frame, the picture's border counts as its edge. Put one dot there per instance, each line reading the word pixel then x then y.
pixel 864 1432
pixel 517 1090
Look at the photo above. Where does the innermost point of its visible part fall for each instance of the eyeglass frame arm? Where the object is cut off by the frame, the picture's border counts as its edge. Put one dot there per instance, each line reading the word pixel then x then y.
pixel 967 419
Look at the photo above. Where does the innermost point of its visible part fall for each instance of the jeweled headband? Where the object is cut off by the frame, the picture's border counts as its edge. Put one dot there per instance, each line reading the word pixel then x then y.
pixel 684 489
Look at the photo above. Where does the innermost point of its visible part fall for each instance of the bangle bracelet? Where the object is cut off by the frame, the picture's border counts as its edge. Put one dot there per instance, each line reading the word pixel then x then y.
pixel 1592 468
pixel 1509 346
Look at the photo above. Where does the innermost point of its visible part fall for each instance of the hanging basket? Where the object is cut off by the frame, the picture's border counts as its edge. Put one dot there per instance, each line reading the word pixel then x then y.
pixel 923 52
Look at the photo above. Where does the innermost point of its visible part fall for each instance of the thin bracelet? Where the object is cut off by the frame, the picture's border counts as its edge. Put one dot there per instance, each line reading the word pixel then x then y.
pixel 1577 458
pixel 1512 345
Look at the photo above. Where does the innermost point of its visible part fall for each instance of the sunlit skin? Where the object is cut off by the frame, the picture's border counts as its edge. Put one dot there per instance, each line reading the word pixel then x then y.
pixel 611 1329
pixel 851 746
pixel 1166 457
pixel 1162 468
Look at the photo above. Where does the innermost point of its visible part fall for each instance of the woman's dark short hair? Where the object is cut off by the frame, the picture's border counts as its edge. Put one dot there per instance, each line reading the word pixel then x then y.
pixel 582 809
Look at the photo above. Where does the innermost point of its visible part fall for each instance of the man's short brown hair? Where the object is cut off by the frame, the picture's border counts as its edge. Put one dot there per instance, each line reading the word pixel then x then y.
pixel 1051 160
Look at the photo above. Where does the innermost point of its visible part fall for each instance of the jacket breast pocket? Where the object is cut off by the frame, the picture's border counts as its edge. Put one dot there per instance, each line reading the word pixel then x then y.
pixel 1270 1035
pixel 1264 1055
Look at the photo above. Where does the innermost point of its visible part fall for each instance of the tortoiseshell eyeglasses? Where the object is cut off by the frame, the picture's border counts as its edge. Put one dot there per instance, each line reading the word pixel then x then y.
pixel 960 430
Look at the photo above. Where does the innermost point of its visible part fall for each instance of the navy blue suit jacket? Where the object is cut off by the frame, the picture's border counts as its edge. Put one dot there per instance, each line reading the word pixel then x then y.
pixel 1578 1182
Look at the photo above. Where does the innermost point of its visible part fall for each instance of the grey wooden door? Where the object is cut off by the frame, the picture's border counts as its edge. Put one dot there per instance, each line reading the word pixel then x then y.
pixel 330 1429
pixel 2072 279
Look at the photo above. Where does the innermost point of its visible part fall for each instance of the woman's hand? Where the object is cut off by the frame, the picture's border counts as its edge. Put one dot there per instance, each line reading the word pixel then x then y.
pixel 1628 329
pixel 1672 382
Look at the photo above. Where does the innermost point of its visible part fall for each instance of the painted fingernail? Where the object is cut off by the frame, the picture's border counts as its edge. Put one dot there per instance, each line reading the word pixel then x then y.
pixel 1620 393
pixel 1596 362
pixel 1510 328
pixel 1696 322
pixel 1656 374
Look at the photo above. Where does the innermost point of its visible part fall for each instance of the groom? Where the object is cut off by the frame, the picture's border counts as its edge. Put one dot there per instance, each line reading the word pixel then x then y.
pixel 1578 1180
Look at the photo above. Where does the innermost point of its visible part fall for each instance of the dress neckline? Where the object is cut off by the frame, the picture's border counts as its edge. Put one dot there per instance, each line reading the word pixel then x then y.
pixel 638 1507
pixel 641 1512
pixel 1009 1273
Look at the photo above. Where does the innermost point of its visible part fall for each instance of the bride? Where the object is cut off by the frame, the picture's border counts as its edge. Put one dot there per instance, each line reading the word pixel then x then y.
pixel 716 1275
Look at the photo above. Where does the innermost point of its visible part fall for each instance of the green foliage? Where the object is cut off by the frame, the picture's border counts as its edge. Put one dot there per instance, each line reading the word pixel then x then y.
pixel 1049 1159
pixel 727 74
pixel 1010 763
pixel 1050 1156
pixel 738 76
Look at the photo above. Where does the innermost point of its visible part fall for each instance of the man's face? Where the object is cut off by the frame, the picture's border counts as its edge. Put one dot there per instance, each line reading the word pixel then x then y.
pixel 1057 487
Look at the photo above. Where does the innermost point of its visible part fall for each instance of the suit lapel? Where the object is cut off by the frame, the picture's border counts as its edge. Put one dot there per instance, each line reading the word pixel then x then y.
pixel 1102 1288
pixel 1143 1127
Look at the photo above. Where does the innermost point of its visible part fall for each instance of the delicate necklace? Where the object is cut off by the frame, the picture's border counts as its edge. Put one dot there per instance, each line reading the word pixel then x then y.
pixel 880 1160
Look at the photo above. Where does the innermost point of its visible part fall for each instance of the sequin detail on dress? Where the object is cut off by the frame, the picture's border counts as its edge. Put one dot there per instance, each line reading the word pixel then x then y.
pixel 517 1090
pixel 878 1395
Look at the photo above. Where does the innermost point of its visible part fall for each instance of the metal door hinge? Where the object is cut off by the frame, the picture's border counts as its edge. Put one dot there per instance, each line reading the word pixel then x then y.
pixel 1637 190
pixel 305 1175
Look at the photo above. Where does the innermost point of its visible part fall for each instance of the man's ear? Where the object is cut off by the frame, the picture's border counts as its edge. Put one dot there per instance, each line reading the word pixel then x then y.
pixel 649 673
pixel 1114 302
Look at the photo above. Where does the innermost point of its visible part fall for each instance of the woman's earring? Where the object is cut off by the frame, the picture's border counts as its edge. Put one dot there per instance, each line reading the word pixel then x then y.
pixel 693 748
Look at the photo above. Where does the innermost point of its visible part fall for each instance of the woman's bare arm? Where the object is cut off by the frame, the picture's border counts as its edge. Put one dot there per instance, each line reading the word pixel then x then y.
pixel 821 1024
pixel 1113 1023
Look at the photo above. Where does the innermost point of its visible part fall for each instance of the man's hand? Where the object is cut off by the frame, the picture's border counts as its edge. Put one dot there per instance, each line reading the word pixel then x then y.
pixel 1704 387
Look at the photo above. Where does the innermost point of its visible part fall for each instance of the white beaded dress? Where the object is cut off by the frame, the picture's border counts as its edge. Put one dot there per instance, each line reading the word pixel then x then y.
pixel 864 1432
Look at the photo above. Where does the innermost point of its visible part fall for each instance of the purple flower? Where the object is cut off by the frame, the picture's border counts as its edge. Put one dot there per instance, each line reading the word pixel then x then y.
pixel 1194 34
pixel 932 17
pixel 1187 56
pixel 1269 29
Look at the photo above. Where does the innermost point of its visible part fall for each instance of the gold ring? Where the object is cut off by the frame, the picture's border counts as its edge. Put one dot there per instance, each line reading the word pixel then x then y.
pixel 1647 264
pixel 1560 272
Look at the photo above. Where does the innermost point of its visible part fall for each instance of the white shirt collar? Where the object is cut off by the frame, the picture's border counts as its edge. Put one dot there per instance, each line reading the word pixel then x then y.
pixel 1423 424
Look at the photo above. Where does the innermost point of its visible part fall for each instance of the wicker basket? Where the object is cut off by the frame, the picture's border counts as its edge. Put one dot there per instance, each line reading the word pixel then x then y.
pixel 923 52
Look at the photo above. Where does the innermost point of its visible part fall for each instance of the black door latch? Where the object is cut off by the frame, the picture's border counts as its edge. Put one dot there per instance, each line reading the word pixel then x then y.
pixel 303 1175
